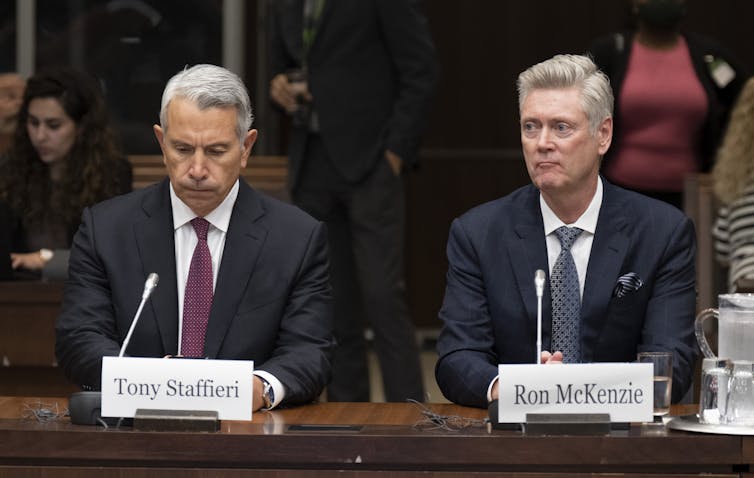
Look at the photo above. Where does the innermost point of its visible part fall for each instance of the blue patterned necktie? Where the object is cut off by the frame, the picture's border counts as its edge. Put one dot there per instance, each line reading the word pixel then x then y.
pixel 566 299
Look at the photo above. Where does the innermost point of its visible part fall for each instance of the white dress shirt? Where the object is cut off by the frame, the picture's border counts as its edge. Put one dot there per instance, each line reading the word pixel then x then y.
pixel 185 243
pixel 582 247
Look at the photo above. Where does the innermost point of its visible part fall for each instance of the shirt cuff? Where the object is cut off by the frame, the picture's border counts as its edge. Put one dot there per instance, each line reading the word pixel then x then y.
pixel 277 388
pixel 489 389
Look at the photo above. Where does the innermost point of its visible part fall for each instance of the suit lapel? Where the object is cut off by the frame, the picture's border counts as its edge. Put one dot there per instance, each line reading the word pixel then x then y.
pixel 155 242
pixel 609 248
pixel 528 252
pixel 243 243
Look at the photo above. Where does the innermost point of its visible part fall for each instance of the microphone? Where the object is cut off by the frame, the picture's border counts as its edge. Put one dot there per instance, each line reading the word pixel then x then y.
pixel 84 407
pixel 539 284
pixel 149 285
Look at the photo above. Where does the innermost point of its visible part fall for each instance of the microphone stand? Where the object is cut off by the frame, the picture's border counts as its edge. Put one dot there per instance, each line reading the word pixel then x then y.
pixel 84 407
pixel 149 286
pixel 539 284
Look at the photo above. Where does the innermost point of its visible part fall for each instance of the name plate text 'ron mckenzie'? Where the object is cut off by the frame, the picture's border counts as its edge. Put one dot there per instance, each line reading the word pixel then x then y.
pixel 624 390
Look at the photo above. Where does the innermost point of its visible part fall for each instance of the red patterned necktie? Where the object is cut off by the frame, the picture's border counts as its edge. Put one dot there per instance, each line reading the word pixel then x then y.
pixel 197 300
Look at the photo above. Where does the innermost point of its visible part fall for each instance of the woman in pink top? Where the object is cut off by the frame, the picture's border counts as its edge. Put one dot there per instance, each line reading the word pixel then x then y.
pixel 673 92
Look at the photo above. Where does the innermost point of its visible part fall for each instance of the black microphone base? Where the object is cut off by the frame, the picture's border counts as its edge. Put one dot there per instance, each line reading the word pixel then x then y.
pixel 493 422
pixel 85 408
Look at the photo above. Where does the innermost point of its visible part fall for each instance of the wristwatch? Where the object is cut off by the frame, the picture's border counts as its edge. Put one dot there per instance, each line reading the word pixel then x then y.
pixel 268 394
pixel 46 255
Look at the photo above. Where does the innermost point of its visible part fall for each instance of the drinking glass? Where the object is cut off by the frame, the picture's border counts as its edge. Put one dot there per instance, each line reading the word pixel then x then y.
pixel 713 391
pixel 663 379
pixel 739 409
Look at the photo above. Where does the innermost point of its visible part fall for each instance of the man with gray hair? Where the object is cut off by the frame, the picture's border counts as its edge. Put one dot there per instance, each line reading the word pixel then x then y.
pixel 621 274
pixel 242 276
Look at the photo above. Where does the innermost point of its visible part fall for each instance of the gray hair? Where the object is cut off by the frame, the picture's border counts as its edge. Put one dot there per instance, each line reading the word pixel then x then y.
pixel 571 71
pixel 210 86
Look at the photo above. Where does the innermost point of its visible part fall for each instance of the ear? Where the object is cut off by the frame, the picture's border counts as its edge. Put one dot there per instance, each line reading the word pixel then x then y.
pixel 248 144
pixel 160 135
pixel 605 135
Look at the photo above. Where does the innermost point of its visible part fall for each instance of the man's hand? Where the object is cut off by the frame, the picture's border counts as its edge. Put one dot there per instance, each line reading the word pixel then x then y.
pixel 545 358
pixel 551 358
pixel 29 260
pixel 395 162
pixel 289 95
pixel 257 394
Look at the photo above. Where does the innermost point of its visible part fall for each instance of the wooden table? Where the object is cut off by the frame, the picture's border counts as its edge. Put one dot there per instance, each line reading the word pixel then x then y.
pixel 386 444
pixel 28 310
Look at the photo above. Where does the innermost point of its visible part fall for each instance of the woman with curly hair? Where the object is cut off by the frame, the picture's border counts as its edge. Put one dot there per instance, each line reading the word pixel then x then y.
pixel 63 158
pixel 733 182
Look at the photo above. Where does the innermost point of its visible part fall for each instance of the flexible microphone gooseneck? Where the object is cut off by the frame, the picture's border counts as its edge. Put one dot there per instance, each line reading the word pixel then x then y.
pixel 149 285
pixel 84 407
pixel 539 283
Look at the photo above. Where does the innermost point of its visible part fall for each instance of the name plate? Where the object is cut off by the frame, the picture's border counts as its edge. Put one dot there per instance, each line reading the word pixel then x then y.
pixel 623 390
pixel 131 383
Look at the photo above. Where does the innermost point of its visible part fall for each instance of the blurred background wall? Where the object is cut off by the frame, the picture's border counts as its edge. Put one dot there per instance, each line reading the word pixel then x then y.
pixel 471 150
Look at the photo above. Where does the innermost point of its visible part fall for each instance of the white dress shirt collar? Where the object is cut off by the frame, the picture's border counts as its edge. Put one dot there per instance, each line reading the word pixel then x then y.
pixel 587 221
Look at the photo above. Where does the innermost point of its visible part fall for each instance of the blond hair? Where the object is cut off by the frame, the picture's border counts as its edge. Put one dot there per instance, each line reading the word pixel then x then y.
pixel 571 71
pixel 734 165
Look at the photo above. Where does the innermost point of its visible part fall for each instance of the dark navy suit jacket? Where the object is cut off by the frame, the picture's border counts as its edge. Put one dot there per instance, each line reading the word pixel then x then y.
pixel 271 304
pixel 490 306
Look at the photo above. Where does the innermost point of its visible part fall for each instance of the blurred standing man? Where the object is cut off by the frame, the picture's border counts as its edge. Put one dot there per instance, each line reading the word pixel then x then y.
pixel 357 78
pixel 242 276
pixel 621 265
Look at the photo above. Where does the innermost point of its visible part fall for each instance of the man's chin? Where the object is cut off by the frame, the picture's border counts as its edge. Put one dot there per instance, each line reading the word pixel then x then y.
pixel 549 183
pixel 201 201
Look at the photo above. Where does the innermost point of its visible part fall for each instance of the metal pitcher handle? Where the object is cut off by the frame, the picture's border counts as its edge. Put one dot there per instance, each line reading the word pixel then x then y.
pixel 699 331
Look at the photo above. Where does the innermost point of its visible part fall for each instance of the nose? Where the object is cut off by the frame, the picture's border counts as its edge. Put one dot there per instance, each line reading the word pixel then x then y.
pixel 38 133
pixel 198 169
pixel 544 140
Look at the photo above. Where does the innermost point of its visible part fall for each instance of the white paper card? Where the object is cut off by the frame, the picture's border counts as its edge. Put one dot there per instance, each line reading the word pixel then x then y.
pixel 130 383
pixel 624 390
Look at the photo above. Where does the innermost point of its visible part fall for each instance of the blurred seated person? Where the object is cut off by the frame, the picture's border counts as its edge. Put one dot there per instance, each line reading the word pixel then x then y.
pixel 673 92
pixel 63 158
pixel 620 265
pixel 733 181
pixel 11 93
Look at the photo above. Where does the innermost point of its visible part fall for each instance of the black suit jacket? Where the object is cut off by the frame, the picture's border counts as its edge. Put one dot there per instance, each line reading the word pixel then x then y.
pixel 371 70
pixel 490 306
pixel 271 304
